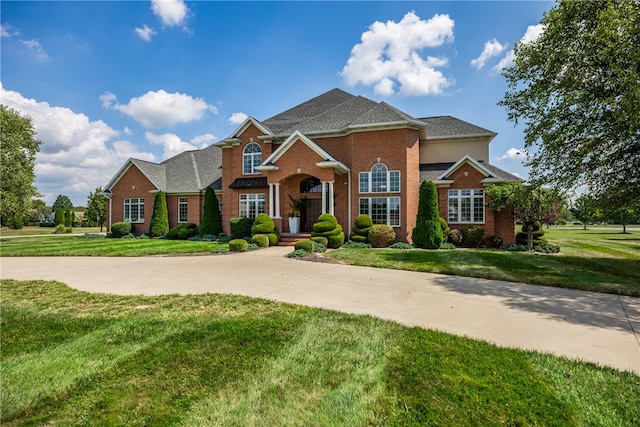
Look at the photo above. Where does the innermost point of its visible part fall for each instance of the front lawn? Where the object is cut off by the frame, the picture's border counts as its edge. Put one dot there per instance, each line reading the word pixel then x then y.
pixel 76 358
pixel 602 260
pixel 101 246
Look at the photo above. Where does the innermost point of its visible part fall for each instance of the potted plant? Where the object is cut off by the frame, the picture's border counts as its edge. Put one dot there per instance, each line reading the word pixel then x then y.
pixel 295 210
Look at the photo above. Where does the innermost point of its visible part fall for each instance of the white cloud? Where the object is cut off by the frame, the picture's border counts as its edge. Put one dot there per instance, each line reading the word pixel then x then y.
pixel 35 46
pixel 171 12
pixel 202 141
pixel 532 34
pixel 145 33
pixel 171 143
pixel 390 54
pixel 237 118
pixel 8 31
pixel 514 153
pixel 491 48
pixel 160 109
pixel 77 154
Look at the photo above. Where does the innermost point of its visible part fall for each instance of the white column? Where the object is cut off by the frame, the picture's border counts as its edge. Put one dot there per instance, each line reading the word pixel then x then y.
pixel 277 199
pixel 331 197
pixel 324 196
pixel 271 200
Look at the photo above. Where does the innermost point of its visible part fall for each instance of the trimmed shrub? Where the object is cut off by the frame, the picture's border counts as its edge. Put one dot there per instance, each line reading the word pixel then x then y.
pixel 252 247
pixel 159 225
pixel 536 226
pixel 306 245
pixel 262 240
pixel 318 247
pixel 119 229
pixel 427 233
pixel 327 226
pixel 238 245
pixel 59 216
pixel 263 224
pixel 381 235
pixel 323 240
pixel 68 218
pixel 224 239
pixel 183 231
pixel 240 227
pixel 361 229
pixel 299 253
pixel 455 237
pixel 444 225
pixel 326 222
pixel 496 242
pixel 547 248
pixel 356 245
pixel 472 236
pixel 211 217
pixel 401 245
pixel 447 246
pixel 60 229
pixel 273 238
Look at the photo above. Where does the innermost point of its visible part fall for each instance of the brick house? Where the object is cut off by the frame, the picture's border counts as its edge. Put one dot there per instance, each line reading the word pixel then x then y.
pixel 341 154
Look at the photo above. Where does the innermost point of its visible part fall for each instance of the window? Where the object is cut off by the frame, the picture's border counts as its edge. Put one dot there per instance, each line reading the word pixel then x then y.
pixel 382 210
pixel 379 180
pixel 311 185
pixel 251 205
pixel 182 209
pixel 466 206
pixel 134 210
pixel 251 157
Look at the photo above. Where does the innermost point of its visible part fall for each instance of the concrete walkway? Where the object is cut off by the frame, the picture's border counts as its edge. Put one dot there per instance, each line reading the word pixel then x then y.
pixel 600 328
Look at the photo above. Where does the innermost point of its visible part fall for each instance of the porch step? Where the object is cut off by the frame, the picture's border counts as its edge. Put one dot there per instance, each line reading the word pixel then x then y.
pixel 288 239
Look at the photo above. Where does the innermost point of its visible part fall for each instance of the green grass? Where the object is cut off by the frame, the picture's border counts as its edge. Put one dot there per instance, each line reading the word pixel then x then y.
pixel 79 246
pixel 75 358
pixel 601 260
pixel 35 231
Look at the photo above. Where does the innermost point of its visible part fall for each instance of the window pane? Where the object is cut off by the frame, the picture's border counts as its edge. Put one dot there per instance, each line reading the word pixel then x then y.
pixel 453 208
pixel 465 209
pixel 394 181
pixel 182 209
pixel 394 211
pixel 478 209
pixel 379 178
pixel 364 182
pixel 364 206
pixel 379 210
pixel 251 157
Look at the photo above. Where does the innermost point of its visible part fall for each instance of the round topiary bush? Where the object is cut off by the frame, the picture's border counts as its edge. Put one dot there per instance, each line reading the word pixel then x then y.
pixel 327 226
pixel 119 229
pixel 361 229
pixel 263 224
pixel 381 235
pixel 306 245
pixel 273 238
pixel 472 236
pixel 238 245
pixel 262 240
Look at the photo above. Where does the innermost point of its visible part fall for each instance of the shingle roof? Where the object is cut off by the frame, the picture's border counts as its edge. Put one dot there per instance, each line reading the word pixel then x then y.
pixel 187 172
pixel 448 126
pixel 334 110
pixel 431 171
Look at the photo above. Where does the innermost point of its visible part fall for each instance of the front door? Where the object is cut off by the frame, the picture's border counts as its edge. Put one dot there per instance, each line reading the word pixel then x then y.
pixel 313 209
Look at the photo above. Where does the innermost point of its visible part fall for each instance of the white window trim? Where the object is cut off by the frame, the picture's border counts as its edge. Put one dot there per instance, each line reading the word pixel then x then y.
pixel 388 221
pixel 472 198
pixel 254 171
pixel 255 199
pixel 139 202
pixel 186 203
pixel 370 181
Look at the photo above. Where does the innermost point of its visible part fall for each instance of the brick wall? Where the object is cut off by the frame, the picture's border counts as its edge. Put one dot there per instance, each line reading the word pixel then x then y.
pixel 132 185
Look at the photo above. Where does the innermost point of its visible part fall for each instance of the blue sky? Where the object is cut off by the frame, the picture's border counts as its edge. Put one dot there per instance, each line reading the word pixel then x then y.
pixel 105 81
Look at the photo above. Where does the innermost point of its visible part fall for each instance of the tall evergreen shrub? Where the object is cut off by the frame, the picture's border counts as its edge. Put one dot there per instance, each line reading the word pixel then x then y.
pixel 211 217
pixel 159 225
pixel 59 216
pixel 68 218
pixel 427 233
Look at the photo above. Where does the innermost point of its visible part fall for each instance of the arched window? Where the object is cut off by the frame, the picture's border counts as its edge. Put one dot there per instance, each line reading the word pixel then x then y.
pixel 311 185
pixel 251 157
pixel 379 180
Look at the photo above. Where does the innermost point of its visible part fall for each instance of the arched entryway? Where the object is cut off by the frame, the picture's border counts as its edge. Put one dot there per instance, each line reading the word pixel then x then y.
pixel 311 194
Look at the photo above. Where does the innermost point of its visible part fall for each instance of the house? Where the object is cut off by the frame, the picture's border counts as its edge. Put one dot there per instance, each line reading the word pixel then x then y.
pixel 339 153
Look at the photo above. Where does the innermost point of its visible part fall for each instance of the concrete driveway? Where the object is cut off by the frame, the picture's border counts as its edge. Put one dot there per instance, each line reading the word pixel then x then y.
pixel 594 327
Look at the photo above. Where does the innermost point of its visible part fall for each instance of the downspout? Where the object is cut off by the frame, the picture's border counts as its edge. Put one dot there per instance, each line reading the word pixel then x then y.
pixel 349 197
pixel 110 212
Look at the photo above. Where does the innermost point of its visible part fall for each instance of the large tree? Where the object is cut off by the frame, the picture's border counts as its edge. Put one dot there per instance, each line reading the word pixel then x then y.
pixel 576 88
pixel 62 201
pixel 97 208
pixel 18 148
pixel 585 209
pixel 528 203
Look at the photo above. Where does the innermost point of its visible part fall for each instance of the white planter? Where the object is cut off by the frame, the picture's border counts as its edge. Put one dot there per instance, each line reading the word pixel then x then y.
pixel 294 224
